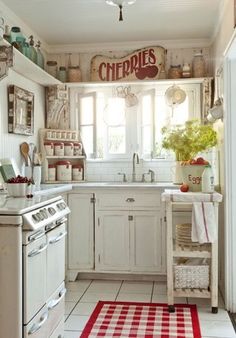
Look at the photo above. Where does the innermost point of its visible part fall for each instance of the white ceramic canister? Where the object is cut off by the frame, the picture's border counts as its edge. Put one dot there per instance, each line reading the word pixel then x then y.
pixel 52 172
pixel 59 148
pixel 77 172
pixel 77 148
pixel 64 171
pixel 207 180
pixel 49 148
pixel 69 148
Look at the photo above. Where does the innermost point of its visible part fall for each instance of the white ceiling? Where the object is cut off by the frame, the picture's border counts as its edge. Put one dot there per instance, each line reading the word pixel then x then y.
pixel 60 22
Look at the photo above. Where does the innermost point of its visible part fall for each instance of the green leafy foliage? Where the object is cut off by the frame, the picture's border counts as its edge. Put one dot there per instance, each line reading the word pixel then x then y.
pixel 189 139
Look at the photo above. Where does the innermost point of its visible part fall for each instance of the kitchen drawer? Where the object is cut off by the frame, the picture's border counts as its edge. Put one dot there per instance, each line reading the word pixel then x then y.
pixel 128 200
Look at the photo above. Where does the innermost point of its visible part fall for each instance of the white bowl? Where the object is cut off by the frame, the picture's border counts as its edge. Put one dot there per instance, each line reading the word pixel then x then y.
pixel 17 189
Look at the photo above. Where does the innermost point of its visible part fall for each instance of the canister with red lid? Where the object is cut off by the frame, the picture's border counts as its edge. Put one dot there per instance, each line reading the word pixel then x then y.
pixel 77 172
pixel 64 171
pixel 49 148
pixel 59 148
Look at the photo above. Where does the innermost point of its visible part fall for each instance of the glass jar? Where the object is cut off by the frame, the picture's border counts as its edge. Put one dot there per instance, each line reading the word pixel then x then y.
pixel 15 32
pixel 77 172
pixel 186 73
pixel 199 66
pixel 62 76
pixel 59 148
pixel 52 172
pixel 64 171
pixel 69 149
pixel 175 72
pixel 20 40
pixel 52 68
pixel 74 74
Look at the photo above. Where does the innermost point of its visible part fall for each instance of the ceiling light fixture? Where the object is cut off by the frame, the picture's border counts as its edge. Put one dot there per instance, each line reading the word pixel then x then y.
pixel 120 4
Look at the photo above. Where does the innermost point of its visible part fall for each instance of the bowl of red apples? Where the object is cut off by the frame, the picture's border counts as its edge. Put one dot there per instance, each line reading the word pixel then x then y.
pixel 17 186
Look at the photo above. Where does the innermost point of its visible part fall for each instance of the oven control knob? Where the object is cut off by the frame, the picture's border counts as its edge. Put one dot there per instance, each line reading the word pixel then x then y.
pixel 44 211
pixel 59 206
pixel 35 218
pixel 51 211
pixel 63 205
pixel 40 218
pixel 41 214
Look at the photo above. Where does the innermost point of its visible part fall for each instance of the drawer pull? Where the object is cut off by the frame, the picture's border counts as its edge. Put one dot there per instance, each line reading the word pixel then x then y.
pixel 130 200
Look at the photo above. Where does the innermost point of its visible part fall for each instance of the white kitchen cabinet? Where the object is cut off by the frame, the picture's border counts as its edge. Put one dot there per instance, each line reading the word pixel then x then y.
pixel 112 241
pixel 80 234
pixel 145 241
pixel 129 232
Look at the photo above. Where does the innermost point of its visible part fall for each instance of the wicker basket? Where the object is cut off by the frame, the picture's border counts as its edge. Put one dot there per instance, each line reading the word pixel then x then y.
pixel 191 276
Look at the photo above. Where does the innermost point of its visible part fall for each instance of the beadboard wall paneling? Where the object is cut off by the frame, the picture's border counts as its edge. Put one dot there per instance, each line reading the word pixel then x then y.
pixel 10 143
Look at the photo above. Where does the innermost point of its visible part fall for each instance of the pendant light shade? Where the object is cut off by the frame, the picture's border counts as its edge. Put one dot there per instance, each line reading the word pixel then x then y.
pixel 120 4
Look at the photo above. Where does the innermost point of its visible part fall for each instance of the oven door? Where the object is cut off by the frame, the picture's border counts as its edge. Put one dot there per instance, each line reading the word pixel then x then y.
pixel 34 260
pixel 55 258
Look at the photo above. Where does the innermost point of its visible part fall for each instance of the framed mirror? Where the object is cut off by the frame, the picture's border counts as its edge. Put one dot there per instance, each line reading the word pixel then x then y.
pixel 20 111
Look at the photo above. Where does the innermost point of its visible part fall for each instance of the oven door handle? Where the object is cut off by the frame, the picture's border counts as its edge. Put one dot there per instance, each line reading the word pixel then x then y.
pixel 37 251
pixel 35 327
pixel 58 238
pixel 55 302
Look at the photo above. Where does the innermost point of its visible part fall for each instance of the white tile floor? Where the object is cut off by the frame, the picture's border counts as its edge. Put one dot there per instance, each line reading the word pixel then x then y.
pixel 83 295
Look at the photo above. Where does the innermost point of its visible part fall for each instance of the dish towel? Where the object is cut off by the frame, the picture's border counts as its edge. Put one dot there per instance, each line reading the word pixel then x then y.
pixel 203 223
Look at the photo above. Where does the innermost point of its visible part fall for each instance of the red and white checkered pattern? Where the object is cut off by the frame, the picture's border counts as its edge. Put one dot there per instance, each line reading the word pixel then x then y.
pixel 124 319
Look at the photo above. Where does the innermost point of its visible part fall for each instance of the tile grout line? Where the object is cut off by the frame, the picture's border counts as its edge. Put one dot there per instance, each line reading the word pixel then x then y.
pixel 78 301
pixel 119 290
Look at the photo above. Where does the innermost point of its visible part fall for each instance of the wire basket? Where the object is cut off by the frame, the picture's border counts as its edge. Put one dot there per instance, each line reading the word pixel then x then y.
pixel 191 276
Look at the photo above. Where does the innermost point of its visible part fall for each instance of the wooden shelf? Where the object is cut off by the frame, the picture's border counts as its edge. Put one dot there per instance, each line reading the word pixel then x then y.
pixel 65 157
pixel 191 254
pixel 63 182
pixel 24 66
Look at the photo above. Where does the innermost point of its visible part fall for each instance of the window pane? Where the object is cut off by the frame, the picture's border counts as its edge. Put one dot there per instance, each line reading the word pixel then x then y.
pixel 116 140
pixel 86 116
pixel 87 138
pixel 114 112
pixel 146 136
pixel 146 109
pixel 181 113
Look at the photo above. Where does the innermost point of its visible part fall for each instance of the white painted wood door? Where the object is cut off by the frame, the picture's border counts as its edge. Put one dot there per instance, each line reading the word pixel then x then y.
pixel 112 241
pixel 146 249
pixel 81 232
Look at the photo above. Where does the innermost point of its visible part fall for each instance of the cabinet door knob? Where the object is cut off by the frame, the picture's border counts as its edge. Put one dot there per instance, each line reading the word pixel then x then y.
pixel 130 200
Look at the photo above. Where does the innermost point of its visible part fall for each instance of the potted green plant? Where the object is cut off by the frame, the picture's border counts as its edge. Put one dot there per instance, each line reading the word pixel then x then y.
pixel 187 140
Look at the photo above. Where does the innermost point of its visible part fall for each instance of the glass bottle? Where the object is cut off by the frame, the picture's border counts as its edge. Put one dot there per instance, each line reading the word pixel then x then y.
pixel 32 50
pixel 20 40
pixel 40 57
pixel 26 50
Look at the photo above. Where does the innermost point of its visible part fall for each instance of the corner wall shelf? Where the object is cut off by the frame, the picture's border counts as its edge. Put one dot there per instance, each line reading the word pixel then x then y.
pixel 25 67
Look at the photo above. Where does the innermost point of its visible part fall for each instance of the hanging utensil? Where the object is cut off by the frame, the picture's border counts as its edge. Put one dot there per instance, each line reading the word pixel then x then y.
pixel 24 149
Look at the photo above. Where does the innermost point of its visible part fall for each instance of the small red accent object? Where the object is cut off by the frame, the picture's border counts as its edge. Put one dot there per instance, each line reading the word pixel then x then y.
pixel 184 188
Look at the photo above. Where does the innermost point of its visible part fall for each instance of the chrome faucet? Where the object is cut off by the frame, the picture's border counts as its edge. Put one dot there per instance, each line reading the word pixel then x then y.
pixel 135 157
pixel 124 177
pixel 152 175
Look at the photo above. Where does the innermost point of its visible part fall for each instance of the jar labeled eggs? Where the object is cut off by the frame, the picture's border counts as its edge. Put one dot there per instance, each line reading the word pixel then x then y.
pixel 64 171
pixel 77 149
pixel 49 148
pixel 69 148
pixel 59 148
pixel 77 172
pixel 52 172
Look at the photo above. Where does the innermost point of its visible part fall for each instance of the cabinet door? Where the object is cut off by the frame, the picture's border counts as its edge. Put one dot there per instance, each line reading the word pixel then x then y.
pixel 81 232
pixel 146 241
pixel 112 241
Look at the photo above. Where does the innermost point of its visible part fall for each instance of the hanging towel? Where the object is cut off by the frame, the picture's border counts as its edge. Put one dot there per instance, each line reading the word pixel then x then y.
pixel 203 223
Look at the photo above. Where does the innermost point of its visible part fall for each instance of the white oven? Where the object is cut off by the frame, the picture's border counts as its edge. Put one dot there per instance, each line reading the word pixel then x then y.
pixel 32 249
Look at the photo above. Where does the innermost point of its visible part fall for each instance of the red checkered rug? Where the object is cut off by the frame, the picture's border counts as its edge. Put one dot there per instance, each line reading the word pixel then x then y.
pixel 125 319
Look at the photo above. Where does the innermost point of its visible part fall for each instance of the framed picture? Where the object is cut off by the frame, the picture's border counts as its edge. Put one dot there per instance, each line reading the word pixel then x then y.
pixel 20 111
